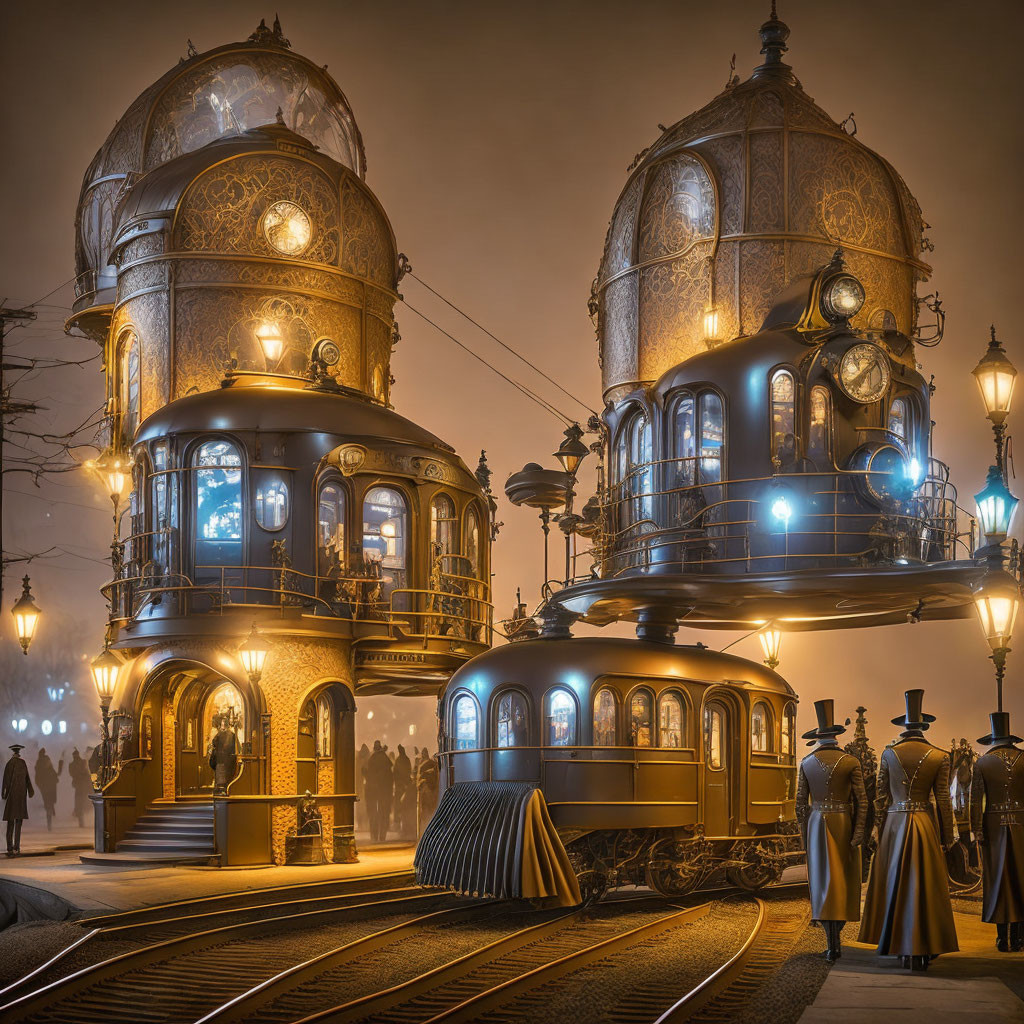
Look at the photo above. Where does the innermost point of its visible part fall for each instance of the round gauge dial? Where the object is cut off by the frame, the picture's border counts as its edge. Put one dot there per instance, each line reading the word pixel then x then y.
pixel 864 372
pixel 287 228
pixel 842 297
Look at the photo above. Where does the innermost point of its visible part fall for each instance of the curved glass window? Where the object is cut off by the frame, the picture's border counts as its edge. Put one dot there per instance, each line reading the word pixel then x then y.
pixel 330 525
pixel 684 436
pixel 272 504
pixel 761 727
pixel 900 421
pixel 712 437
pixel 560 719
pixel 789 730
pixel 819 426
pixel 130 385
pixel 218 510
pixel 640 719
pixel 160 508
pixel 465 723
pixel 385 521
pixel 670 720
pixel 605 725
pixel 638 476
pixel 714 736
pixel 511 720
pixel 442 527
pixel 783 391
pixel 472 542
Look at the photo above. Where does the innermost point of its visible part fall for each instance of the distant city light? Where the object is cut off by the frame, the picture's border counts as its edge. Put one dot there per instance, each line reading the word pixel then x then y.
pixel 62 726
pixel 412 730
pixel 369 715
pixel 47 727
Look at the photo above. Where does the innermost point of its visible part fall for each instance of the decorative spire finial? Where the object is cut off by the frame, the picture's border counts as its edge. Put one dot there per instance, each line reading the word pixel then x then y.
pixel 774 34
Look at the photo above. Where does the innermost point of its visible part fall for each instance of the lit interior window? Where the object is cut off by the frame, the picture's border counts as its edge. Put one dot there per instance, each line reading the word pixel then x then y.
pixel 272 505
pixel 384 538
pixel 784 418
pixel 287 228
pixel 465 721
pixel 670 720
pixel 760 725
pixel 713 748
pixel 604 719
pixel 511 721
pixel 561 719
pixel 640 719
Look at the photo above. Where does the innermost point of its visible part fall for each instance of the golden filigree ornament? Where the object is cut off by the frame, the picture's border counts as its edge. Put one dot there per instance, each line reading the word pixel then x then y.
pixel 287 228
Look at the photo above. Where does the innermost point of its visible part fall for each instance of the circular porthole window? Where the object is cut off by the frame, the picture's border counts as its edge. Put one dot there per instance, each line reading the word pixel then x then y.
pixel 287 228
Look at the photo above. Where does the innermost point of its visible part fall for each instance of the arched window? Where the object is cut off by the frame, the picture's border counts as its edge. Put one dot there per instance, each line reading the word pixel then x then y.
pixel 783 393
pixel 511 722
pixel 472 541
pixel 330 516
pixel 714 736
pixel 761 727
pixel 684 438
pixel 670 720
pixel 218 506
pixel 639 479
pixel 901 421
pixel 712 437
pixel 130 384
pixel 560 719
pixel 161 511
pixel 272 503
pixel 640 719
pixel 465 723
pixel 605 725
pixel 819 427
pixel 789 730
pixel 442 527
pixel 384 534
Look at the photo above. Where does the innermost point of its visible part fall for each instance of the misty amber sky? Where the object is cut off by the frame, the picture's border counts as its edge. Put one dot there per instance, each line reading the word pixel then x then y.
pixel 498 137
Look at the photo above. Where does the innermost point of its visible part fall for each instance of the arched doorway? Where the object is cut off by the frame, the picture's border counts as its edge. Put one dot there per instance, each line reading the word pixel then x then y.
pixel 325 741
pixel 718 761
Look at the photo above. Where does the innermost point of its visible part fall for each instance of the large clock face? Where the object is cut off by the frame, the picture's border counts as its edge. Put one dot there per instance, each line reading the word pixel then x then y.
pixel 864 372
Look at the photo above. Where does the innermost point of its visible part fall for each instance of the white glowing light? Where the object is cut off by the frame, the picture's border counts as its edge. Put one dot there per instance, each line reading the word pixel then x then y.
pixel 47 727
pixel 782 510
pixel 62 726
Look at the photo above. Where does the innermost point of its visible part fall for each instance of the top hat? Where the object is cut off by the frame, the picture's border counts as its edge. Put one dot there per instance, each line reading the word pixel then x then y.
pixel 915 718
pixel 16 747
pixel 1000 723
pixel 826 722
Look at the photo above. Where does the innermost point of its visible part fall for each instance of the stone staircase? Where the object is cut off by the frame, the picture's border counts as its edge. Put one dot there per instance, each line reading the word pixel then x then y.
pixel 170 832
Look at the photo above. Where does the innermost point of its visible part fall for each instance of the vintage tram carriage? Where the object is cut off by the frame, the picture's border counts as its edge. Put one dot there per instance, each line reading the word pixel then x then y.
pixel 570 765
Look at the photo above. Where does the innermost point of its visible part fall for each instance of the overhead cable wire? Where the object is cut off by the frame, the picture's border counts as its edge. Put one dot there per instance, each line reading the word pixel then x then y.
pixel 533 396
pixel 504 345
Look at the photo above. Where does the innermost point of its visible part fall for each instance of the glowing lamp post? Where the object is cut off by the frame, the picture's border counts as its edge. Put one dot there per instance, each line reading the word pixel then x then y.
pixel 113 472
pixel 771 644
pixel 571 452
pixel 105 669
pixel 997 599
pixel 996 377
pixel 26 615
pixel 253 654
pixel 996 506
pixel 269 337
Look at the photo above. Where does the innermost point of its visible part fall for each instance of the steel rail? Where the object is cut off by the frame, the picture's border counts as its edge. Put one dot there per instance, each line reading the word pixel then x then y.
pixel 116 967
pixel 499 995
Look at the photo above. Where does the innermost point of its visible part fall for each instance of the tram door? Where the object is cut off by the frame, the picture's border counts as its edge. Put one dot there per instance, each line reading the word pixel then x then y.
pixel 717 774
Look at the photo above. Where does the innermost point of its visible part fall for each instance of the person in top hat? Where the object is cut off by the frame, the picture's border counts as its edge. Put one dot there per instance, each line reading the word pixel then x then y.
pixel 17 787
pixel 997 821
pixel 907 912
pixel 832 808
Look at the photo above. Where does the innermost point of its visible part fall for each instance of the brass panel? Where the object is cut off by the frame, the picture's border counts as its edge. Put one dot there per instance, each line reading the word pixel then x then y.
pixel 727 160
pixel 766 109
pixel 677 210
pixel 366 251
pixel 618 333
pixel 763 276
pixel 619 243
pixel 766 195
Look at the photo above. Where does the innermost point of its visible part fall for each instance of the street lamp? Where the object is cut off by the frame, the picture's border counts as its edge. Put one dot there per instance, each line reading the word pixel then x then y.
pixel 269 337
pixel 26 615
pixel 253 653
pixel 997 599
pixel 572 451
pixel 105 669
pixel 771 644
pixel 996 376
pixel 996 506
pixel 113 472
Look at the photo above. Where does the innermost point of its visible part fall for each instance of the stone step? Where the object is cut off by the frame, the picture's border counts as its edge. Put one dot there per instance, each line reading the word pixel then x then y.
pixel 142 857
pixel 165 846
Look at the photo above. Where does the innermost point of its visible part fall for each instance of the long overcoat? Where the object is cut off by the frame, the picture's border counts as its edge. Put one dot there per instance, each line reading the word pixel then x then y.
pixel 907 911
pixel 832 808
pixel 17 787
pixel 997 820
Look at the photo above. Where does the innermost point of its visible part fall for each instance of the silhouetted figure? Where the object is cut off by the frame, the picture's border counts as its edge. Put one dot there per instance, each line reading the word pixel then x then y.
pixel 427 782
pixel 17 788
pixel 362 810
pixel 311 819
pixel 832 808
pixel 403 784
pixel 81 783
pixel 223 756
pixel 997 820
pixel 907 912
pixel 46 782
pixel 379 790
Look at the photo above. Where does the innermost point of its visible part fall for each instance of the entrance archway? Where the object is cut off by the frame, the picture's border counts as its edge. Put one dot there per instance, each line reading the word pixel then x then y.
pixel 325 741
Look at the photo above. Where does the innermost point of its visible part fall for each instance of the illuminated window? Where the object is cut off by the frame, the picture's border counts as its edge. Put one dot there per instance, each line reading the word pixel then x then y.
pixel 637 472
pixel 712 437
pixel 218 506
pixel 670 720
pixel 442 527
pixel 714 736
pixel 561 719
pixel 287 228
pixel 511 723
pixel 685 439
pixel 161 511
pixel 604 718
pixel 640 719
pixel 465 723
pixel 384 536
pixel 901 421
pixel 789 729
pixel 819 426
pixel 130 384
pixel 783 391
pixel 330 524
pixel 761 727
pixel 272 504
pixel 472 543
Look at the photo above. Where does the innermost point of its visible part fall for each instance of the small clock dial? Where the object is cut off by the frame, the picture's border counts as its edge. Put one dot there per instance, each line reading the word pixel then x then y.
pixel 864 373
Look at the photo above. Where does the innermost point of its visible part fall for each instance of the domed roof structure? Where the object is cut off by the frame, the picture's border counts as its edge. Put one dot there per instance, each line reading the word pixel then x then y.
pixel 207 96
pixel 733 202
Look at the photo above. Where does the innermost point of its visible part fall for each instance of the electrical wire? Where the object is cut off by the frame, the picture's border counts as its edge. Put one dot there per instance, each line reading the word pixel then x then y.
pixel 533 396
pixel 508 348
